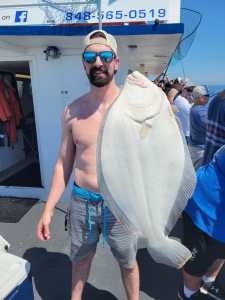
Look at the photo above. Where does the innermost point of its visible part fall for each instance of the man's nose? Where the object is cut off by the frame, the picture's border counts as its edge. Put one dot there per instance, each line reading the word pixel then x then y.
pixel 98 61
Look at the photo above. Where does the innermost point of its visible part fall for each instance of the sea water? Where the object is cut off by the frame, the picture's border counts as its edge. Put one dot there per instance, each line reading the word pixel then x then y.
pixel 215 89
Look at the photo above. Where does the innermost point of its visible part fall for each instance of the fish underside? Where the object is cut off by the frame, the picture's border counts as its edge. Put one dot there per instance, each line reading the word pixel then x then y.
pixel 144 169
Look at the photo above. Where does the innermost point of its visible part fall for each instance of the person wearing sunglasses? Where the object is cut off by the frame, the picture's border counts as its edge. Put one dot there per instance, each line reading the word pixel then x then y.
pixel 182 110
pixel 87 214
pixel 198 123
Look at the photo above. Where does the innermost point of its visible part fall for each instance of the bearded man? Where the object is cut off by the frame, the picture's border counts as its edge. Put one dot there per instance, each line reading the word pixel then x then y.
pixel 81 122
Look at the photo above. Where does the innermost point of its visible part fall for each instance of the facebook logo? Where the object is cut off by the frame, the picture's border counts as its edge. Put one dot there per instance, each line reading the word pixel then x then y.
pixel 21 16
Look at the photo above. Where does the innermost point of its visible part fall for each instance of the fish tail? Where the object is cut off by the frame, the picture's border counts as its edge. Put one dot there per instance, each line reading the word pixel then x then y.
pixel 169 251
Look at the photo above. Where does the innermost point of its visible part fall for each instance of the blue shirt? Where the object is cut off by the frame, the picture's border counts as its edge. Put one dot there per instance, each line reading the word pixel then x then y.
pixel 198 121
pixel 215 136
pixel 207 205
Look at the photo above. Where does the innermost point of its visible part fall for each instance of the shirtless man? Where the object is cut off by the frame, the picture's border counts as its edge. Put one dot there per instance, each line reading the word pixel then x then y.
pixel 81 121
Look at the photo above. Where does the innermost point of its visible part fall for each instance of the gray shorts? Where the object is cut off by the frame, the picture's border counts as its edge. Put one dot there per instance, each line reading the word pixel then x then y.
pixel 86 221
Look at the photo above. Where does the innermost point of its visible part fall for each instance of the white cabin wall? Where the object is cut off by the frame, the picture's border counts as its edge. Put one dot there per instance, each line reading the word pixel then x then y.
pixel 174 7
pixel 16 2
pixel 56 82
pixel 8 52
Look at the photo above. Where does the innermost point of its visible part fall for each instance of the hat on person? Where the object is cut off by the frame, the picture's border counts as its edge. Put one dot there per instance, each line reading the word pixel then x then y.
pixel 107 40
pixel 199 91
pixel 188 83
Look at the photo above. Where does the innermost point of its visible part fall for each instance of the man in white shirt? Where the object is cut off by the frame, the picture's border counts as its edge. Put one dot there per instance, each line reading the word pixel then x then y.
pixel 183 107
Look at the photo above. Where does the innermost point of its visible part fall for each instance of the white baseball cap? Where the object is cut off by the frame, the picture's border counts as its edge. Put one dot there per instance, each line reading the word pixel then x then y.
pixel 107 40
pixel 200 90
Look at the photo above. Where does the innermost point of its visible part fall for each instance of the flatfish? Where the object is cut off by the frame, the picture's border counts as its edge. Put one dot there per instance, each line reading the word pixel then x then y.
pixel 144 169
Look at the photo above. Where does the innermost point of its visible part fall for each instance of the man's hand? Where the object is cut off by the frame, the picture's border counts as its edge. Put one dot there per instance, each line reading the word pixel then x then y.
pixel 43 230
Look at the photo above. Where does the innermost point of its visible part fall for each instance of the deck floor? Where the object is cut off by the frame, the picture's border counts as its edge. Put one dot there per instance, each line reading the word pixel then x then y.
pixel 51 265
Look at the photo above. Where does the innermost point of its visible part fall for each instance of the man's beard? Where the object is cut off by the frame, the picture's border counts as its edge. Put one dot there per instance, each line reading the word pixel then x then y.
pixel 97 79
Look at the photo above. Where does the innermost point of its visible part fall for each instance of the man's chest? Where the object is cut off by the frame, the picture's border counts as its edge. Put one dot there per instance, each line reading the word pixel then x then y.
pixel 85 130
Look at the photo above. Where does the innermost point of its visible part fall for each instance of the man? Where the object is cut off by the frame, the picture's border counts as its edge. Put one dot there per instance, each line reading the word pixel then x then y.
pixel 198 119
pixel 81 121
pixel 215 135
pixel 182 111
pixel 188 89
pixel 204 234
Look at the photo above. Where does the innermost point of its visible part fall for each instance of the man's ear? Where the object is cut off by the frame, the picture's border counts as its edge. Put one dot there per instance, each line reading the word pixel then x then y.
pixel 84 65
pixel 117 65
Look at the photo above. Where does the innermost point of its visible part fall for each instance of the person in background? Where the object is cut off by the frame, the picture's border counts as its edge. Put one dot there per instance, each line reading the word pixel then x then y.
pixel 172 93
pixel 198 120
pixel 215 133
pixel 187 91
pixel 204 233
pixel 182 111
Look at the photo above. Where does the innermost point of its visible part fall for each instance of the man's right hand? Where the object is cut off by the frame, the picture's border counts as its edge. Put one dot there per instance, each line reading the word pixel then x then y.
pixel 43 230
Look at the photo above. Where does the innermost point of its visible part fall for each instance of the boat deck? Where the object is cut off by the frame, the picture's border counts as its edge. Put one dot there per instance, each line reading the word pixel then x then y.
pixel 51 265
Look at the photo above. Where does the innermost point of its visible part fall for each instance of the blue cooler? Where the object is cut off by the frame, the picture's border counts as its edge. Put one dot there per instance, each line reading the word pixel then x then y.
pixel 15 278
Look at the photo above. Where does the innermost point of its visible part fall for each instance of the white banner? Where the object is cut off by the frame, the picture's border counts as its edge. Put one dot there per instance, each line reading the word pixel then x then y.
pixel 44 12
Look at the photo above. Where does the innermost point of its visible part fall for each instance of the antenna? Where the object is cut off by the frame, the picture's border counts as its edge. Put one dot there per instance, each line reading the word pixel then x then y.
pixel 99 14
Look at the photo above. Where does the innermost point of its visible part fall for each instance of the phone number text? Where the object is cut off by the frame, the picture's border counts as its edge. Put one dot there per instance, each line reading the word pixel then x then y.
pixel 116 15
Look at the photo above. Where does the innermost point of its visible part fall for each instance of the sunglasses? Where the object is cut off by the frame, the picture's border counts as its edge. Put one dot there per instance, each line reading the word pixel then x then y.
pixel 90 57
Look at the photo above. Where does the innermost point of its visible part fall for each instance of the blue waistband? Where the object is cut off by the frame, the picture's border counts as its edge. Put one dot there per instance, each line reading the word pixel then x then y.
pixel 85 194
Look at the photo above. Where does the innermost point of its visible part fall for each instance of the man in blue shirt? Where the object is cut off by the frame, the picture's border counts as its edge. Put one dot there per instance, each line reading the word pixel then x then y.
pixel 215 135
pixel 198 120
pixel 204 232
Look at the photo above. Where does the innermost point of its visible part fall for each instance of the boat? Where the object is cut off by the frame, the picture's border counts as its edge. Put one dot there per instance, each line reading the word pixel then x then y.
pixel 40 47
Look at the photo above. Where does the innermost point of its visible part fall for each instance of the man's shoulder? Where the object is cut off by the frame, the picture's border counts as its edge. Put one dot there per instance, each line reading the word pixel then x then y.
pixel 182 103
pixel 78 102
pixel 181 99
pixel 218 100
pixel 195 110
pixel 217 108
pixel 199 109
pixel 73 109
pixel 178 98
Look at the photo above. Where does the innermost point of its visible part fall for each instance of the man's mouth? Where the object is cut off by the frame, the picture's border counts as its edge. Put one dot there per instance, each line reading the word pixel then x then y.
pixel 99 72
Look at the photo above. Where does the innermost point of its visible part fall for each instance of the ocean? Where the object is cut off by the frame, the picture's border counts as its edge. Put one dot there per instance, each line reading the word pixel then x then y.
pixel 214 89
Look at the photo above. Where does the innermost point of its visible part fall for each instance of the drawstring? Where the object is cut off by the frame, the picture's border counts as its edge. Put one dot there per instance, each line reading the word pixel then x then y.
pixel 90 221
pixel 92 197
pixel 90 213
pixel 104 221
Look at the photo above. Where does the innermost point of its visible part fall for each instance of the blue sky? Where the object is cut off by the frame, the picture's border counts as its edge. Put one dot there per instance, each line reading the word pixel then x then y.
pixel 205 61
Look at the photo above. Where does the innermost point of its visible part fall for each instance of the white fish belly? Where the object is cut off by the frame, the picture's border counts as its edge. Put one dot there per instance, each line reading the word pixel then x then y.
pixel 142 167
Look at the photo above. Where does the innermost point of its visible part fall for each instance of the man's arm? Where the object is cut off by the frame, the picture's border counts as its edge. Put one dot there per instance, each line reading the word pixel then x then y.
pixel 62 172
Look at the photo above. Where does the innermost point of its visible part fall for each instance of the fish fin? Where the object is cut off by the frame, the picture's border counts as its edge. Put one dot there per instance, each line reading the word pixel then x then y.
pixel 170 252
pixel 144 131
pixel 138 79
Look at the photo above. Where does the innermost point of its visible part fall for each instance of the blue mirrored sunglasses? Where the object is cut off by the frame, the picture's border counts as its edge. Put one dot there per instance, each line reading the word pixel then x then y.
pixel 91 56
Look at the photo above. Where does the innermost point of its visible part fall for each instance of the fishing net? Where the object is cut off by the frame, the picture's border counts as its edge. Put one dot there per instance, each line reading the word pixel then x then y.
pixel 191 20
